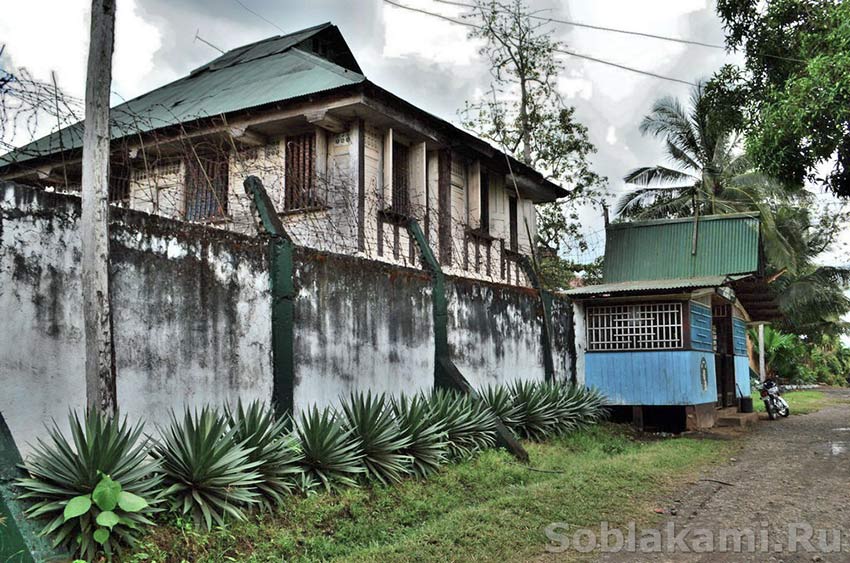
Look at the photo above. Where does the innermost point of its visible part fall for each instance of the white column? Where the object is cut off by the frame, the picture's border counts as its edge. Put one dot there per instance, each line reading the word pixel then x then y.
pixel 761 353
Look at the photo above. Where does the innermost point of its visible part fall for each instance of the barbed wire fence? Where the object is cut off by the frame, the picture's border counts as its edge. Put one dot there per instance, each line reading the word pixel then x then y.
pixel 161 166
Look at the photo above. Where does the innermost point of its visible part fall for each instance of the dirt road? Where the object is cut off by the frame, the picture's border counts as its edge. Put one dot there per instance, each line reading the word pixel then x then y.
pixel 791 478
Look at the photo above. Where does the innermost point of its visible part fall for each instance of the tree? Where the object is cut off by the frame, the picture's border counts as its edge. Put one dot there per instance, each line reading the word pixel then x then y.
pixel 94 222
pixel 524 114
pixel 794 87
pixel 712 174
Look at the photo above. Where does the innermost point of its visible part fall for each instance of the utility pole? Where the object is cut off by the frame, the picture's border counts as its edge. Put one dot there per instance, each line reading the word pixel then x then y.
pixel 100 376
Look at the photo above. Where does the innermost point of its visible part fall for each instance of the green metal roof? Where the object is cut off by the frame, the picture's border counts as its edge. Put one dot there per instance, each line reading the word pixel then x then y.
pixel 662 250
pixel 648 286
pixel 272 70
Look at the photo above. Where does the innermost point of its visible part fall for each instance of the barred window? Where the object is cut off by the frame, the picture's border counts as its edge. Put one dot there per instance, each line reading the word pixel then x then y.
pixel 401 179
pixel 655 326
pixel 300 189
pixel 206 186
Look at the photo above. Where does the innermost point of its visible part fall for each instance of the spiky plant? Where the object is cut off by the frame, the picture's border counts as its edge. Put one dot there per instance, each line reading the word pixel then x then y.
pixel 537 410
pixel 592 405
pixel 61 471
pixel 271 445
pixel 499 400
pixel 370 419
pixel 470 426
pixel 333 456
pixel 428 447
pixel 207 472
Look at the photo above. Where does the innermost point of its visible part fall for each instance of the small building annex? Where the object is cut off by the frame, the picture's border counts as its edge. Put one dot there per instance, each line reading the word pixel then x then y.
pixel 665 335
pixel 346 162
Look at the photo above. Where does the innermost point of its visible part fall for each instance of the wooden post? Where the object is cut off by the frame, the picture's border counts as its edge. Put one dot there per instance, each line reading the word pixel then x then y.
pixel 100 375
pixel 762 374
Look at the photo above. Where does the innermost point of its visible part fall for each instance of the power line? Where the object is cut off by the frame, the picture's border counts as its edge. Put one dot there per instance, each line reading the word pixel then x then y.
pixel 563 51
pixel 629 32
pixel 265 19
pixel 602 28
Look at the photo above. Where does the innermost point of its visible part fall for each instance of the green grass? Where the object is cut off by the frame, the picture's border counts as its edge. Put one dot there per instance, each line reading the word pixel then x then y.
pixel 485 509
pixel 800 402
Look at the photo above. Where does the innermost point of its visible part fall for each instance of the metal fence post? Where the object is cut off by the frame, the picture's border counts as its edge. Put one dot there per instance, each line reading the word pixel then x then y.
pixel 282 287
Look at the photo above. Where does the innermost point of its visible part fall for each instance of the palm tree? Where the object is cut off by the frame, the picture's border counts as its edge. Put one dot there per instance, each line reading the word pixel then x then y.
pixel 712 175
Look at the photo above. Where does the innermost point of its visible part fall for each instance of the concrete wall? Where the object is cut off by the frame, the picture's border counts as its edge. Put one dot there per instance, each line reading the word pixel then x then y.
pixel 191 313
pixel 192 319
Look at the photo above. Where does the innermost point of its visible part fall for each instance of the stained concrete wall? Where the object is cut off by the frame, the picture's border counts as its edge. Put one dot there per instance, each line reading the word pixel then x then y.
pixel 192 319
pixel 191 313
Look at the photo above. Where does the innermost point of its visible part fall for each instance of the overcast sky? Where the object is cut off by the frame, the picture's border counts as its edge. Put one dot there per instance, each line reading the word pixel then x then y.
pixel 427 61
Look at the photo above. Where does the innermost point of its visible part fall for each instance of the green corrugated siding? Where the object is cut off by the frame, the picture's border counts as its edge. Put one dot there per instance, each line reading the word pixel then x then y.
pixel 662 250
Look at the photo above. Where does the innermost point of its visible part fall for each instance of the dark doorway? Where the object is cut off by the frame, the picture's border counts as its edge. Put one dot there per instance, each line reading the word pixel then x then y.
pixel 724 360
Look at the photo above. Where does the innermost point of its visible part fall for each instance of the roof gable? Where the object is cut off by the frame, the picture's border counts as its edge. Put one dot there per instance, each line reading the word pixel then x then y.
pixel 273 70
pixel 663 250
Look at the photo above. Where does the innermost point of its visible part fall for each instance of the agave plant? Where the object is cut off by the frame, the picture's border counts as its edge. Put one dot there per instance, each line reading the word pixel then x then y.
pixel 60 471
pixel 470 426
pixel 591 405
pixel 207 472
pixel 271 445
pixel 333 456
pixel 499 400
pixel 382 442
pixel 537 408
pixel 428 447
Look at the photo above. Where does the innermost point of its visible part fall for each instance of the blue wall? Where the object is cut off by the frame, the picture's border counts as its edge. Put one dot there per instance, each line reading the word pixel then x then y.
pixel 652 378
pixel 739 337
pixel 701 328
pixel 742 375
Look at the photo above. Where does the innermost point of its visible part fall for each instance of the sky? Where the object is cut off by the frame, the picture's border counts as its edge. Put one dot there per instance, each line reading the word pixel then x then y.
pixel 427 61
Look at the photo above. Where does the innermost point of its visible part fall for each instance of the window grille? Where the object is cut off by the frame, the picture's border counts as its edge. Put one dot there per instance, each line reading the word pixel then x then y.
pixel 656 326
pixel 513 223
pixel 206 186
pixel 300 189
pixel 401 192
pixel 484 201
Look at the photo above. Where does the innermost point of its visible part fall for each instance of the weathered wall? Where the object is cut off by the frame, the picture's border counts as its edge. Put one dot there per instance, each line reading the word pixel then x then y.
pixel 192 319
pixel 191 313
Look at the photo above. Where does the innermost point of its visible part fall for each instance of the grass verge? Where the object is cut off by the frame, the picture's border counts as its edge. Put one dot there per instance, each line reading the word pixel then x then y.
pixel 485 509
pixel 800 402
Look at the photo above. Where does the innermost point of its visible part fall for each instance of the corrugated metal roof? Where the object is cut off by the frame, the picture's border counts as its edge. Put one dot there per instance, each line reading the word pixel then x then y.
pixel 648 286
pixel 662 250
pixel 269 71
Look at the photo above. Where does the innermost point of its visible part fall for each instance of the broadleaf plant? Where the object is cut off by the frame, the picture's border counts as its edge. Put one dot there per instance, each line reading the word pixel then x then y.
pixel 71 484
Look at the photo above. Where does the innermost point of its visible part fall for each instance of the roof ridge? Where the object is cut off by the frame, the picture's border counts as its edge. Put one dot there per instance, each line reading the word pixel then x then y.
pixel 230 53
pixel 713 217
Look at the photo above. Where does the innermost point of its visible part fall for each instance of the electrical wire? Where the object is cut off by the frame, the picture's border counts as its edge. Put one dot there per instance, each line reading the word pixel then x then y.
pixel 562 51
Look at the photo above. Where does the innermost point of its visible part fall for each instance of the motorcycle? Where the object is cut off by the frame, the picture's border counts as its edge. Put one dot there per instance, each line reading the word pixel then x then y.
pixel 774 404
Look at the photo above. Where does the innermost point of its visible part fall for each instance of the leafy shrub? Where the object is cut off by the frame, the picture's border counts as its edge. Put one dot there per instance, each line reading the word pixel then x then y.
pixel 537 410
pixel 469 425
pixel 419 423
pixel 78 485
pixel 115 513
pixel 271 446
pixel 333 457
pixel 371 422
pixel 207 473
